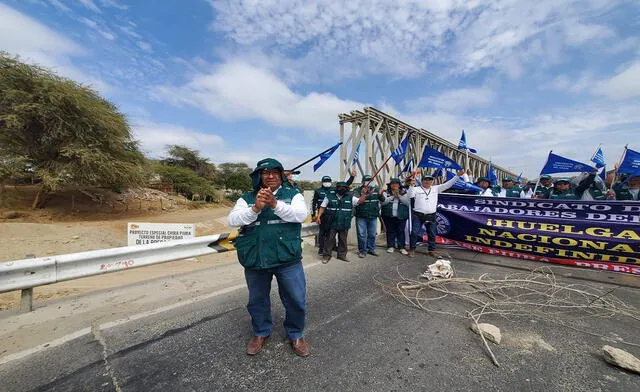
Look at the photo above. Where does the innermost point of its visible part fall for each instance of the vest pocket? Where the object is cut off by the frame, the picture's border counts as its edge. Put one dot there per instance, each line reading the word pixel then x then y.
pixel 290 249
pixel 247 252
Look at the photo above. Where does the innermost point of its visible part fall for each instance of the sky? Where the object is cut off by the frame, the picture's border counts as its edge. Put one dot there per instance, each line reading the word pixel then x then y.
pixel 240 80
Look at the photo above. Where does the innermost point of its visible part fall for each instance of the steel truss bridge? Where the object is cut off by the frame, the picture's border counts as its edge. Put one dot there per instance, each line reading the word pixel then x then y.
pixel 381 133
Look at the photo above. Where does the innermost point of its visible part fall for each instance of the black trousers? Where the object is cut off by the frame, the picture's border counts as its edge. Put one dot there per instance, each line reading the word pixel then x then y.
pixel 324 227
pixel 395 231
pixel 330 243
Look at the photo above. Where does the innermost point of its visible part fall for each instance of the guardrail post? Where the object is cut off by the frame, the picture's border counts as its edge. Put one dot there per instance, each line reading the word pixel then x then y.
pixel 26 300
pixel 26 295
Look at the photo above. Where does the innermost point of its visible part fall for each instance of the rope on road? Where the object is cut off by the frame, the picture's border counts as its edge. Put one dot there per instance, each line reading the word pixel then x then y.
pixel 534 294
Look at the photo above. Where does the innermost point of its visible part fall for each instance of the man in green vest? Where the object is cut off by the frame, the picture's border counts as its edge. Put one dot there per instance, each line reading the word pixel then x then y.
pixel 395 212
pixel 318 197
pixel 627 189
pixel 508 189
pixel 269 244
pixel 563 190
pixel 367 214
pixel 544 188
pixel 336 210
pixel 290 176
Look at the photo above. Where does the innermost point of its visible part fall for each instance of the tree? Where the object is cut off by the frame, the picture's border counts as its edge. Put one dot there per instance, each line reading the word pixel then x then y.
pixel 185 181
pixel 191 159
pixel 236 176
pixel 67 133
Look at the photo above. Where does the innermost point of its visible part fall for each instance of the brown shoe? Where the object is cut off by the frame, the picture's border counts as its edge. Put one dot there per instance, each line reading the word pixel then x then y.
pixel 300 347
pixel 325 260
pixel 256 344
pixel 344 258
pixel 433 254
pixel 412 253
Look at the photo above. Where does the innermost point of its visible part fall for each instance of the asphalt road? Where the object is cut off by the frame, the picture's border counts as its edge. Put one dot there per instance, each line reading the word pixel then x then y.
pixel 361 340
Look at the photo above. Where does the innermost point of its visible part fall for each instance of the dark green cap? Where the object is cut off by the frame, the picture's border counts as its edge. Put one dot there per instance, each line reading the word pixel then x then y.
pixel 546 177
pixel 559 180
pixel 367 178
pixel 395 180
pixel 482 179
pixel 342 184
pixel 507 179
pixel 427 177
pixel 326 178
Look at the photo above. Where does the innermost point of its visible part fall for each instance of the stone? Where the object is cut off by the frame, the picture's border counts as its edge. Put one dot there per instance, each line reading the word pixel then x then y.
pixel 75 237
pixel 621 358
pixel 490 331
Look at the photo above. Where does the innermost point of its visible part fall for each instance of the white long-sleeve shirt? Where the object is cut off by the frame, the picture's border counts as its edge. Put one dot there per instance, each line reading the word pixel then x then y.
pixel 404 199
pixel 486 193
pixel 426 199
pixel 325 202
pixel 243 214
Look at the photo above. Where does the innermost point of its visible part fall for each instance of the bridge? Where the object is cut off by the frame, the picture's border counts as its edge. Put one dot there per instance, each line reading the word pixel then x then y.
pixel 380 133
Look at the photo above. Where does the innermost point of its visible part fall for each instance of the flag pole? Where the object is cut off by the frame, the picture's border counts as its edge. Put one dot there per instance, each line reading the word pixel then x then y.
pixel 314 157
pixel 615 168
pixel 538 182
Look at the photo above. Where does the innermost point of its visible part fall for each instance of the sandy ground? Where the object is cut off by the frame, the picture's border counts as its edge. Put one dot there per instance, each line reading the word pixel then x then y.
pixel 19 239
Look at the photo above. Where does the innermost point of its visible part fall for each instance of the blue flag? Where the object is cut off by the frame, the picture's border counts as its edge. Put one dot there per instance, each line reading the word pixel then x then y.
pixel 631 163
pixel 493 178
pixel 598 158
pixel 519 179
pixel 408 168
pixel 603 174
pixel 434 158
pixel 356 156
pixel 437 172
pixel 462 144
pixel 557 164
pixel 463 185
pixel 400 151
pixel 326 155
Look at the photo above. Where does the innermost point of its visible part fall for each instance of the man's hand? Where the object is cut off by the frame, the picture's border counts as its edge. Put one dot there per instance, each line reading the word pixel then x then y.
pixel 460 172
pixel 269 197
pixel 353 172
pixel 260 202
pixel 469 172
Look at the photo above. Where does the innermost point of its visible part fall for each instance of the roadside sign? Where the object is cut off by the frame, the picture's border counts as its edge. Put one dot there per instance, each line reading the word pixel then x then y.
pixel 150 233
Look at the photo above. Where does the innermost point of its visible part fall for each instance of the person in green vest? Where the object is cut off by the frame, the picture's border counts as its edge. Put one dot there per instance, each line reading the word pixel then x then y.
pixel 544 187
pixel 337 210
pixel 269 244
pixel 318 197
pixel 596 189
pixel 627 189
pixel 483 182
pixel 395 212
pixel 563 190
pixel 508 189
pixel 367 215
pixel 290 176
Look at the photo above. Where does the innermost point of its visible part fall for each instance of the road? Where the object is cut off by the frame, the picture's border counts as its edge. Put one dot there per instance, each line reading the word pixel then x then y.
pixel 361 338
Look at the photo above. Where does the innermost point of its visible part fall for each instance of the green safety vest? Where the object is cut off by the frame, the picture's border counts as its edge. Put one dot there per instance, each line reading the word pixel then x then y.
pixel 543 191
pixel 340 211
pixel 511 192
pixel 269 241
pixel 320 194
pixel 566 195
pixel 597 194
pixel 622 192
pixel 370 208
pixel 403 210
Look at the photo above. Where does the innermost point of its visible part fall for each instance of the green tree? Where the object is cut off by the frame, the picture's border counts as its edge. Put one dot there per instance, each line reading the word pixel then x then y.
pixel 67 133
pixel 185 181
pixel 236 176
pixel 191 159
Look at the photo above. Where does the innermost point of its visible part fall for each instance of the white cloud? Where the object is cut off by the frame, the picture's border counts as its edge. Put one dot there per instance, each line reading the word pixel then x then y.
pixel 154 137
pixel 457 100
pixel 114 4
pixel 405 38
pixel 36 43
pixel 145 46
pixel 625 84
pixel 236 90
pixel 566 84
pixel 89 4
pixel 60 6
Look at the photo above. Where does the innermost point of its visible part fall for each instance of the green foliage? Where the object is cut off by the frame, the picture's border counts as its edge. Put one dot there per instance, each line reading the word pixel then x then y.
pixel 186 182
pixel 236 176
pixel 191 159
pixel 308 185
pixel 65 132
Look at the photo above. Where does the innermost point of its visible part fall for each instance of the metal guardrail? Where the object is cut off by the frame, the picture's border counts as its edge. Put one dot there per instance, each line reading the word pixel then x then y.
pixel 29 273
